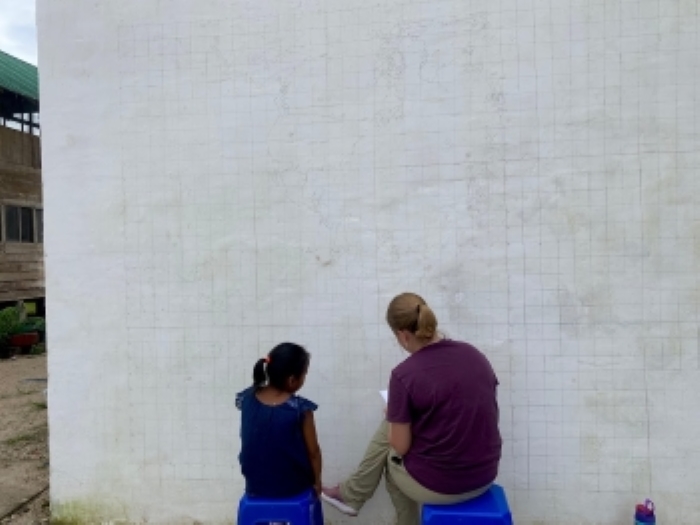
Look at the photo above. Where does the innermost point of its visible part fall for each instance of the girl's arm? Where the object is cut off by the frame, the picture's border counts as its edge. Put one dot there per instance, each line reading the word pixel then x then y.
pixel 312 447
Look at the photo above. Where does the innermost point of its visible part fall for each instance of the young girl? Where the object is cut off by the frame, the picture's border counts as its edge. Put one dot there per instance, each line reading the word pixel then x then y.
pixel 280 456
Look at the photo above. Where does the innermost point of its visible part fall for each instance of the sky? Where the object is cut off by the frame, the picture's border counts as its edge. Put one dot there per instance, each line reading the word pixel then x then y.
pixel 18 29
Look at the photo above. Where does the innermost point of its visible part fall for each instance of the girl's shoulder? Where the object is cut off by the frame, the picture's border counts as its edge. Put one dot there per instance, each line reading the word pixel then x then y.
pixel 243 395
pixel 301 404
pixel 298 403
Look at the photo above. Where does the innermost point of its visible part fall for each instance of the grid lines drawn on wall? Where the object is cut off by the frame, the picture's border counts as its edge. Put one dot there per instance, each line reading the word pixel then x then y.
pixel 529 167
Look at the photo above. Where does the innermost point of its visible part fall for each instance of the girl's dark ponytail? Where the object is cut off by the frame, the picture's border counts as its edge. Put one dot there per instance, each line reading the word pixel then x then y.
pixel 284 361
pixel 259 375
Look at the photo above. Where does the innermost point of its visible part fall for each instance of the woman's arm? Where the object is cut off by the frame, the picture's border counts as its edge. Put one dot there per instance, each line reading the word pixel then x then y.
pixel 313 448
pixel 400 437
pixel 399 416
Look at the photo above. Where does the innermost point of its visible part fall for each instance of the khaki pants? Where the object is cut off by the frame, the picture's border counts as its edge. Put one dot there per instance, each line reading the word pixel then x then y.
pixel 406 493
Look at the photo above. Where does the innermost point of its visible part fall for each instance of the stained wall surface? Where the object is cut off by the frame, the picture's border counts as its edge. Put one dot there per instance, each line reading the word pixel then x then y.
pixel 221 176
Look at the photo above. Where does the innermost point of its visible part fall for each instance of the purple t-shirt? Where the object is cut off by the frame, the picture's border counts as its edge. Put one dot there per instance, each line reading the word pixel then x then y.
pixel 447 391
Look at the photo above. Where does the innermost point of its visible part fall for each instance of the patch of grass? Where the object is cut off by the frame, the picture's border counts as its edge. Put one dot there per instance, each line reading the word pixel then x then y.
pixel 83 513
pixel 66 521
pixel 36 435
pixel 38 349
pixel 18 440
pixel 40 405
pixel 19 393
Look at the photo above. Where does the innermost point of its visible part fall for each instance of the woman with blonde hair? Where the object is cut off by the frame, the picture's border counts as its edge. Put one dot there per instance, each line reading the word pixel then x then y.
pixel 440 442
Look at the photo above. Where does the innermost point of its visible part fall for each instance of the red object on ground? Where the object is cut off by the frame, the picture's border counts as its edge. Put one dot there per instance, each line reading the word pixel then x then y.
pixel 22 340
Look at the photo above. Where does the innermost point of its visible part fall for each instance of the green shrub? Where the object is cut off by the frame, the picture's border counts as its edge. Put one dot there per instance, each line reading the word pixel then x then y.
pixel 9 322
pixel 38 322
pixel 32 324
pixel 38 349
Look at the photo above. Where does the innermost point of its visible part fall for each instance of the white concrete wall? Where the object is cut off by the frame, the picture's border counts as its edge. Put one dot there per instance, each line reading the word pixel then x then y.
pixel 224 175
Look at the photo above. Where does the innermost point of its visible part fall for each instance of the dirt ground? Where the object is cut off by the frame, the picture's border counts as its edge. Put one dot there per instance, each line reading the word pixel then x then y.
pixel 24 455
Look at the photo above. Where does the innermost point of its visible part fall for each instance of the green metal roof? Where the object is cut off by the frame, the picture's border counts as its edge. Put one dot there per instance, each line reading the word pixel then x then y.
pixel 19 76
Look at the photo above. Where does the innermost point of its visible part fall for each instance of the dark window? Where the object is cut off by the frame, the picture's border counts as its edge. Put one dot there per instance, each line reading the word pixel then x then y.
pixel 12 221
pixel 27 225
pixel 19 224
pixel 39 225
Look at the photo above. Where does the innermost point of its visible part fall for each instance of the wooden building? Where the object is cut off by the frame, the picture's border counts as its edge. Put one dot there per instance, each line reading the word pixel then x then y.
pixel 21 213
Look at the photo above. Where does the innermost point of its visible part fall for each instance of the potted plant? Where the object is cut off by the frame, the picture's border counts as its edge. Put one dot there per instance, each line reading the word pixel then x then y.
pixel 24 341
pixel 9 324
pixel 26 335
pixel 37 324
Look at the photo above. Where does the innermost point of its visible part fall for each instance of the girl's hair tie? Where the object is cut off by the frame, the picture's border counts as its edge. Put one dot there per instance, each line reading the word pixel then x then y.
pixel 267 359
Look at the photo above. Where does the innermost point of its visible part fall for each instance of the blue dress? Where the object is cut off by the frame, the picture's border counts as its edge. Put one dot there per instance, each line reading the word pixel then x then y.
pixel 274 459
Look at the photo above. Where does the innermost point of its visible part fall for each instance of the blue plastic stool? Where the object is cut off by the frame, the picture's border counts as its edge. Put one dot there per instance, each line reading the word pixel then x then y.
pixel 304 509
pixel 491 508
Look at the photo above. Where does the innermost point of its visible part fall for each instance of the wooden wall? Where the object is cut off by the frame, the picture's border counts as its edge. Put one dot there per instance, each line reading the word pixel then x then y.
pixel 21 264
pixel 19 149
